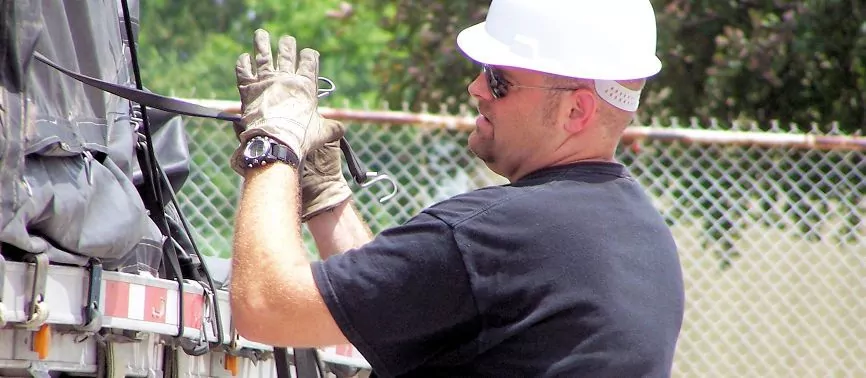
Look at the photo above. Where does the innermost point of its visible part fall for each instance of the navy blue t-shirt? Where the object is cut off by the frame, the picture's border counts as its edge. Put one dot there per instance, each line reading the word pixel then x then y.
pixel 568 272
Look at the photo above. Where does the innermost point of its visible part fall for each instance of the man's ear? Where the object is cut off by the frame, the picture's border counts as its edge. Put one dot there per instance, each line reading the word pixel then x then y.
pixel 583 107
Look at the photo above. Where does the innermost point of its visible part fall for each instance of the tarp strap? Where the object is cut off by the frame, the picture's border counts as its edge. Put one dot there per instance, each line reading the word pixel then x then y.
pixel 173 105
pixel 281 360
pixel 144 98
pixel 306 361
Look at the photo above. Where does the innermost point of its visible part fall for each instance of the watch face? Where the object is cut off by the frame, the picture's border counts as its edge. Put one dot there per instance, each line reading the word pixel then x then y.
pixel 256 148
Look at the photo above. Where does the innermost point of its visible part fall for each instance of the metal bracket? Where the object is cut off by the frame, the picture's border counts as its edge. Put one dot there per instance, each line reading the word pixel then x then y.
pixel 107 363
pixel 201 346
pixel 37 310
pixel 39 369
pixel 2 283
pixel 91 311
pixel 233 349
pixel 342 371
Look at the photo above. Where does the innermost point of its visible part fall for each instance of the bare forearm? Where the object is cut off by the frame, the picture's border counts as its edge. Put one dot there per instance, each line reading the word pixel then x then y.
pixel 268 261
pixel 267 219
pixel 274 297
pixel 339 230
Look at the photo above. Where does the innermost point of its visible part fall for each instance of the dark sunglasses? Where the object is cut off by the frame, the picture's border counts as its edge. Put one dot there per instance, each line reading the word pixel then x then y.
pixel 498 84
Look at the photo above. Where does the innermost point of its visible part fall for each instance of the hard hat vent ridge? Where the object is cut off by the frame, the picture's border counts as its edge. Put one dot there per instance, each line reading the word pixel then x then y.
pixel 618 95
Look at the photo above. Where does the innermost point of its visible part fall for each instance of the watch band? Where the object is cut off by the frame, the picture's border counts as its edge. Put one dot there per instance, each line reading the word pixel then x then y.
pixel 271 151
pixel 284 154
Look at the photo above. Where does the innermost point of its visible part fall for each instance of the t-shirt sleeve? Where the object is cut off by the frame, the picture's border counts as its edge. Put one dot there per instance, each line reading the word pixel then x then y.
pixel 404 298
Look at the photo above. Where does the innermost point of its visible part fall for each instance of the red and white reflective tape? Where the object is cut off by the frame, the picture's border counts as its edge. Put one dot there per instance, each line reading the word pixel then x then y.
pixel 152 304
pixel 346 351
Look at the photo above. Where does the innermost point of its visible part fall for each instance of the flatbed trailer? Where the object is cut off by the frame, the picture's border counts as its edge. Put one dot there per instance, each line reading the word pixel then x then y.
pixel 83 321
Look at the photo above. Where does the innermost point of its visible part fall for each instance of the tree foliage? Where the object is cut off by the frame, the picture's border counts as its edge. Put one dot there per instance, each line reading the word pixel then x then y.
pixel 422 64
pixel 759 60
pixel 798 62
pixel 189 48
pixel 793 61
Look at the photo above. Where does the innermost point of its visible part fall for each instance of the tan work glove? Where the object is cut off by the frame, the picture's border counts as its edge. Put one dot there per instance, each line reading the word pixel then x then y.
pixel 323 186
pixel 280 101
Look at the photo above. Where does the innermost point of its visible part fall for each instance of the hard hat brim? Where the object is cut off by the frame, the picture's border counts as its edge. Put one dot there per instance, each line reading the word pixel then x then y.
pixel 477 44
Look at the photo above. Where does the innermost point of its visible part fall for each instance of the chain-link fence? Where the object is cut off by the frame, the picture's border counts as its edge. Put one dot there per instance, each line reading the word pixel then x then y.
pixel 770 233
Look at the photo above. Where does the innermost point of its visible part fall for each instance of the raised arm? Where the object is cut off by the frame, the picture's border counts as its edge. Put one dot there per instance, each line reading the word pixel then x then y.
pixel 326 203
pixel 274 298
pixel 339 230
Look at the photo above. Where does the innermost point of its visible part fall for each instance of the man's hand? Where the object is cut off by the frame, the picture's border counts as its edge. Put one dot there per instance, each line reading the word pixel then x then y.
pixel 323 186
pixel 281 100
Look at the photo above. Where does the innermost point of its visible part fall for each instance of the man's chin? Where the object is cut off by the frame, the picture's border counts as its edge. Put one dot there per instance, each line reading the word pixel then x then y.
pixel 481 149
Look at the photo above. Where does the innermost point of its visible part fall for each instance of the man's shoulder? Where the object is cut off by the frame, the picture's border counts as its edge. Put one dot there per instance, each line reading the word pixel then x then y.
pixel 466 206
pixel 530 192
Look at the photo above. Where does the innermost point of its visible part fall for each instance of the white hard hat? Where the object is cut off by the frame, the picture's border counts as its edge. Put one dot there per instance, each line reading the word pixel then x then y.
pixel 604 40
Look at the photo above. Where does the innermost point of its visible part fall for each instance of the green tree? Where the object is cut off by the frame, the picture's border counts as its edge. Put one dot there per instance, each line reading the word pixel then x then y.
pixel 422 65
pixel 760 60
pixel 189 48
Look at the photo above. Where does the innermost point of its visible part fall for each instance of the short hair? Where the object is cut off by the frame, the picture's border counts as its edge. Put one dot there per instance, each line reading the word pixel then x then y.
pixel 613 118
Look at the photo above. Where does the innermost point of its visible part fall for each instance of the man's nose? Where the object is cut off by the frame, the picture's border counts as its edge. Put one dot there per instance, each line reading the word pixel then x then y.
pixel 478 88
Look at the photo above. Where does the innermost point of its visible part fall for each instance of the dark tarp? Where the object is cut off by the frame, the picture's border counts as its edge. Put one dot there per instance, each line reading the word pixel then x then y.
pixel 68 184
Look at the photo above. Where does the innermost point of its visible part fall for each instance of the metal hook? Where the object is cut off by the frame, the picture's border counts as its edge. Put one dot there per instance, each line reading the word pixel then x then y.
pixel 322 92
pixel 374 177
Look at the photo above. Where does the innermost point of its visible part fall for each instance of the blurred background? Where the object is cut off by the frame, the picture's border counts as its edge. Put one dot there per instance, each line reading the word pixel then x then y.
pixel 749 142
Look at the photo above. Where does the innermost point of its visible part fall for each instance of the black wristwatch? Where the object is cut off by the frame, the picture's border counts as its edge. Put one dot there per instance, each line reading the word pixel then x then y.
pixel 262 150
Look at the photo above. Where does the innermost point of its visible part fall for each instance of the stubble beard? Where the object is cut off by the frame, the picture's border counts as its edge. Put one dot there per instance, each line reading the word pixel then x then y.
pixel 482 148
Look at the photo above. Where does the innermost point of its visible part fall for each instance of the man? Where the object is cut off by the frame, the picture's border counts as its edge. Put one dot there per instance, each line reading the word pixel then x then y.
pixel 568 271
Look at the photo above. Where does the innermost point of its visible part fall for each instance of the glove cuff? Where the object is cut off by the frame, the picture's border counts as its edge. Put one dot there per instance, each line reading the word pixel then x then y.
pixel 329 195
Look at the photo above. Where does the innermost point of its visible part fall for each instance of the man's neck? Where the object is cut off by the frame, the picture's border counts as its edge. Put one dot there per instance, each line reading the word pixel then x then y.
pixel 598 155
